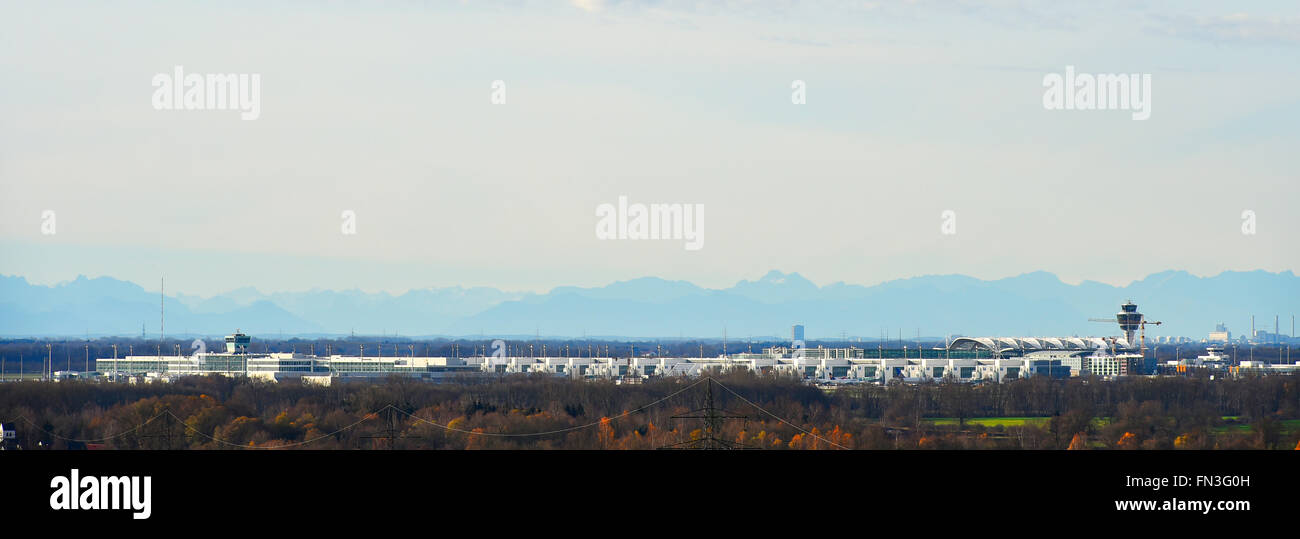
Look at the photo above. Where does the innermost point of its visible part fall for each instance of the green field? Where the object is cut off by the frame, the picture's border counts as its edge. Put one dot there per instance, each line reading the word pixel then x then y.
pixel 1006 421
pixel 989 421
pixel 1288 426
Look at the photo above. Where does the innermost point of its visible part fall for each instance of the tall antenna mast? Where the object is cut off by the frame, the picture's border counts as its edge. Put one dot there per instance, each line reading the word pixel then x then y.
pixel 162 318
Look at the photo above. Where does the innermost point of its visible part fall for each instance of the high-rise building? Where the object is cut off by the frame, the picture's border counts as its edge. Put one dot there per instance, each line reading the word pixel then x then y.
pixel 1220 334
pixel 796 332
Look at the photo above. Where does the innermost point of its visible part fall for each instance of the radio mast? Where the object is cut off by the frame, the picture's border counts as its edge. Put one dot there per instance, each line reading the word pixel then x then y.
pixel 162 319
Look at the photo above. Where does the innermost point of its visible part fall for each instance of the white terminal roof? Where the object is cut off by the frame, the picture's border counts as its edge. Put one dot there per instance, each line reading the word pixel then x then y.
pixel 1035 343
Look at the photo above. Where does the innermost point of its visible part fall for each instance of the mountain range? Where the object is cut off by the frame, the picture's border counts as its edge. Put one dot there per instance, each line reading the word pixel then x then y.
pixel 1036 303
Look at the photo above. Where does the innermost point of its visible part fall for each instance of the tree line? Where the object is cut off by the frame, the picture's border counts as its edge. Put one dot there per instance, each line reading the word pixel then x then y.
pixel 544 412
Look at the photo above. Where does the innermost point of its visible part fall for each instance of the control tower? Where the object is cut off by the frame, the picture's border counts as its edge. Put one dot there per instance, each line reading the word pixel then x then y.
pixel 1129 320
pixel 237 343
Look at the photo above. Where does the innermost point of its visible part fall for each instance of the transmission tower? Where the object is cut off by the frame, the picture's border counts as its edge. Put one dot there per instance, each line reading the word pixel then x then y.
pixel 712 417
pixel 392 429
pixel 167 433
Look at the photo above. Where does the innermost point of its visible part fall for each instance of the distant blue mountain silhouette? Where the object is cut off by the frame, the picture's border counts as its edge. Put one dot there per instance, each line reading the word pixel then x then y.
pixel 1036 303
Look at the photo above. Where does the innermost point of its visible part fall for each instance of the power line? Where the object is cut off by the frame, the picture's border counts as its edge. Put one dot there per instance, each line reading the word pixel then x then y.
pixel 363 419
pixel 93 440
pixel 547 433
pixel 713 418
pixel 778 418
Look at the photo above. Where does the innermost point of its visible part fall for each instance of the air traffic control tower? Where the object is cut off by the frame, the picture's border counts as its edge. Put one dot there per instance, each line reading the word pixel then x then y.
pixel 237 343
pixel 1129 320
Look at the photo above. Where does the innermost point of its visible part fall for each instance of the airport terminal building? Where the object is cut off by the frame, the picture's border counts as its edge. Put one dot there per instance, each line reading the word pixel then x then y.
pixel 964 359
pixel 840 365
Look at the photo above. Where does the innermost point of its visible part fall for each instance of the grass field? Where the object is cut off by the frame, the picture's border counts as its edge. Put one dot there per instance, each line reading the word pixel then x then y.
pixel 990 421
pixel 1097 422
pixel 1288 426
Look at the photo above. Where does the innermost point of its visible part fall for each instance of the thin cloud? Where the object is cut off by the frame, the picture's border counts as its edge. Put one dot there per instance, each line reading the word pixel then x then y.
pixel 590 6
pixel 1235 28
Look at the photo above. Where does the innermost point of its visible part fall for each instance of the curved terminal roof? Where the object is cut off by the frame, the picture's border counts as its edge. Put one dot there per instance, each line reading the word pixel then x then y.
pixel 1029 344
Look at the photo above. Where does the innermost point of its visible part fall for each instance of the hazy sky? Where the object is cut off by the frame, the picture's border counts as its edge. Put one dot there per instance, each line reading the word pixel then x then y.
pixel 384 108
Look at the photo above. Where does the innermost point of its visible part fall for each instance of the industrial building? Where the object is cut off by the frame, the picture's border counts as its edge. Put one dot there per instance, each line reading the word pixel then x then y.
pixel 965 359
pixel 826 368
pixel 838 365
pixel 828 365
pixel 237 361
pixel 280 366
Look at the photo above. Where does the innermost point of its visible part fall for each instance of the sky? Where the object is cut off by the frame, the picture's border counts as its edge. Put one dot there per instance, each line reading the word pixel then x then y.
pixel 385 109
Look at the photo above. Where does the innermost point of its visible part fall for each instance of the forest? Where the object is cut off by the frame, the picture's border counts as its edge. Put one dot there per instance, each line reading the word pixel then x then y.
pixel 766 412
